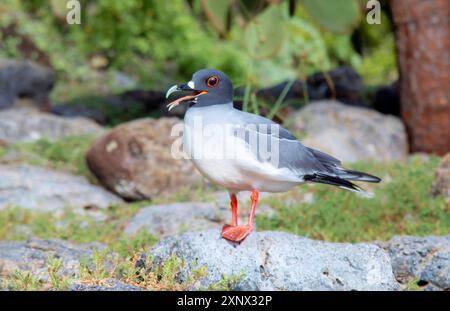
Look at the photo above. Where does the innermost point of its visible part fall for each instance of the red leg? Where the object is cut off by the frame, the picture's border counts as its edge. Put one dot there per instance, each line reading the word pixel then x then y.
pixel 237 233
pixel 227 229
pixel 254 197
pixel 234 208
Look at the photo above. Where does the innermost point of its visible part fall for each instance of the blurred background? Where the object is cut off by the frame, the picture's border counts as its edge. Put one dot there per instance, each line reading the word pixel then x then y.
pixel 147 45
pixel 85 135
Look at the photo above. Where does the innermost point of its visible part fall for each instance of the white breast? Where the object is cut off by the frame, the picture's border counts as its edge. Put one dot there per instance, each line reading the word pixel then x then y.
pixel 226 160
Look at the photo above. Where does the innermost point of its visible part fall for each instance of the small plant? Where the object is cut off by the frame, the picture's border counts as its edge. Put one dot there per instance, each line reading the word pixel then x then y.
pixel 98 268
pixel 164 276
pixel 413 285
pixel 227 282
pixel 57 281
pixel 25 281
pixel 127 246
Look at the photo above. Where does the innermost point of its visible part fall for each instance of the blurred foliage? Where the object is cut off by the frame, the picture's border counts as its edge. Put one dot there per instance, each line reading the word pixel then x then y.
pixel 257 43
pixel 142 38
pixel 324 12
pixel 378 62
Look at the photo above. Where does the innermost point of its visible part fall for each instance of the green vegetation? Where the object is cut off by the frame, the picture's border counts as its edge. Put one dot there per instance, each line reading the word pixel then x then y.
pixel 25 281
pixel 227 282
pixel 72 226
pixel 155 43
pixel 402 206
pixel 101 267
pixel 413 285
pixel 158 42
pixel 57 281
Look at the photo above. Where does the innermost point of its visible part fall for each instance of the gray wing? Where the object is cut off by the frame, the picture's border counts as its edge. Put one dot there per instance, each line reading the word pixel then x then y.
pixel 310 164
pixel 260 122
pixel 292 154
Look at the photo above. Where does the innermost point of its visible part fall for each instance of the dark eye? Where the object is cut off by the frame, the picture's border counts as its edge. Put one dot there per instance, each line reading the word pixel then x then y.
pixel 212 81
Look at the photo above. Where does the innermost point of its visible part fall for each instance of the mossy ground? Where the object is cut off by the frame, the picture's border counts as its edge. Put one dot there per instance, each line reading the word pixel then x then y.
pixel 402 205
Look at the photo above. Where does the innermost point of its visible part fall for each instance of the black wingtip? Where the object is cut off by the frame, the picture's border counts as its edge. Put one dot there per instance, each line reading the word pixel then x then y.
pixel 332 180
pixel 359 176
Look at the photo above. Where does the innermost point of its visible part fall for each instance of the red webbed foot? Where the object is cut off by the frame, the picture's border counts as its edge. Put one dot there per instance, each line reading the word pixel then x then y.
pixel 236 233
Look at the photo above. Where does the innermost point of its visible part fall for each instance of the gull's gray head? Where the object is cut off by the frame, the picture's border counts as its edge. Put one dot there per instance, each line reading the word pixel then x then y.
pixel 207 87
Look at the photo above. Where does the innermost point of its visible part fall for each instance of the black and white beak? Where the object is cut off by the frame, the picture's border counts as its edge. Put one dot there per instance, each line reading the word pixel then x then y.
pixel 187 87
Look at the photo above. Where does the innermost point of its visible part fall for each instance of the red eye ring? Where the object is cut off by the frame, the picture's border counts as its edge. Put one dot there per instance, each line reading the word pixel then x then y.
pixel 212 81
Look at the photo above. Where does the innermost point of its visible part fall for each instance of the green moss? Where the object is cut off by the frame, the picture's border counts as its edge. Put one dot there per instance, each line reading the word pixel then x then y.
pixel 413 285
pixel 227 282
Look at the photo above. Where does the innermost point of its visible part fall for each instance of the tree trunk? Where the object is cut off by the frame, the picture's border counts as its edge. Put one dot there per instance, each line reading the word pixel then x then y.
pixel 422 29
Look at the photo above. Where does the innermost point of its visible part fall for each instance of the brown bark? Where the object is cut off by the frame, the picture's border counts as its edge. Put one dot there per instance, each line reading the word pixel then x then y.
pixel 422 29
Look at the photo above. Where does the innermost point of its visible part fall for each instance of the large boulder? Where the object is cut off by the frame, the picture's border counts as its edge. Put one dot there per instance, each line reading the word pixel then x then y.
pixel 425 260
pixel 442 183
pixel 33 255
pixel 135 160
pixel 25 124
pixel 42 189
pixel 24 78
pixel 350 133
pixel 279 261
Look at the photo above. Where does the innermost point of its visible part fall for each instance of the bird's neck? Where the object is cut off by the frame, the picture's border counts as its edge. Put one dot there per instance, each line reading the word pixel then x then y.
pixel 200 106
pixel 212 102
pixel 208 113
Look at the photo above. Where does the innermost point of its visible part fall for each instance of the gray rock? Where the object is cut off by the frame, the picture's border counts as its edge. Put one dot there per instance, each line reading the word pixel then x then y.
pixel 170 219
pixel 427 259
pixel 280 261
pixel 25 124
pixel 42 189
pixel 32 256
pixel 351 133
pixel 107 285
pixel 24 78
